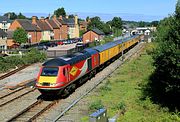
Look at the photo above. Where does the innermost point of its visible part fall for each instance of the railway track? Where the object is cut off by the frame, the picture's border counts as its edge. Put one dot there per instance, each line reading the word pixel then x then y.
pixel 67 104
pixel 13 72
pixel 33 111
pixel 8 98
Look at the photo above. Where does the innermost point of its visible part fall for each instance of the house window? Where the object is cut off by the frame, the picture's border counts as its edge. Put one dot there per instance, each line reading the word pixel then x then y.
pixel 2 47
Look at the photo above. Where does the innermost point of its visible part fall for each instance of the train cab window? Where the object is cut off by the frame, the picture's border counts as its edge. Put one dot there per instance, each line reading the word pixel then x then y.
pixel 49 71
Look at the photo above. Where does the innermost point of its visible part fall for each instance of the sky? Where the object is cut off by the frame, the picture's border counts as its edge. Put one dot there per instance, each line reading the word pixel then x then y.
pixel 127 9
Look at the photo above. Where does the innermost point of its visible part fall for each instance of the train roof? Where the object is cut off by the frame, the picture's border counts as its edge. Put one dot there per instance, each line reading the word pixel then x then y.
pixel 125 39
pixel 74 58
pixel 104 47
pixel 90 51
pixel 55 62
pixel 67 59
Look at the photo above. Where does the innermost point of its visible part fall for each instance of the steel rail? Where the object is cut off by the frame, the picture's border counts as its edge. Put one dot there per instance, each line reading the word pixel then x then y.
pixel 36 111
pixel 11 100
pixel 13 72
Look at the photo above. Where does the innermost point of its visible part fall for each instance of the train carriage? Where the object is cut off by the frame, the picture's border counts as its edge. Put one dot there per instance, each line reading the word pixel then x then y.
pixel 60 74
pixel 107 51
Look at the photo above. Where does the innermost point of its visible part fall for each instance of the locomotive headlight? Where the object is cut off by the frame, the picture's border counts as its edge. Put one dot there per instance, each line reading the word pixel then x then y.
pixel 38 84
pixel 53 84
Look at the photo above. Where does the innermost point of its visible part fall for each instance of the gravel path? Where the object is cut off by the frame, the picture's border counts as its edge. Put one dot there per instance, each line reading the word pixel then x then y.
pixel 13 108
pixel 23 75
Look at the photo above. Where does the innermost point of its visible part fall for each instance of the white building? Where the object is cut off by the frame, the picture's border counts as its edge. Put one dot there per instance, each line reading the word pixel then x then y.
pixel 4 23
pixel 3 40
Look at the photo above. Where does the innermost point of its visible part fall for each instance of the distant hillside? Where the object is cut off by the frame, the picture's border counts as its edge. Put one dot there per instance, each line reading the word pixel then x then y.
pixel 106 17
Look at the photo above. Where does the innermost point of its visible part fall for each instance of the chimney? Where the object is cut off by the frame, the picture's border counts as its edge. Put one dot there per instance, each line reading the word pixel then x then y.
pixel 60 17
pixel 54 17
pixel 42 19
pixel 67 16
pixel 49 16
pixel 76 19
pixel 9 15
pixel 34 18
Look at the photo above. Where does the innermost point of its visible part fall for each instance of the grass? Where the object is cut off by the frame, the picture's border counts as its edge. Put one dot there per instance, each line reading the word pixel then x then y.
pixel 124 90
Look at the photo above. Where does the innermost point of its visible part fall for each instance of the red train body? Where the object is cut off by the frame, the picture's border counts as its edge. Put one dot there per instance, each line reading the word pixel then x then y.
pixel 64 73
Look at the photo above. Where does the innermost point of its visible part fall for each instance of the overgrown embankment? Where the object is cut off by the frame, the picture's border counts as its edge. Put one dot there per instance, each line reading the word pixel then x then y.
pixel 124 93
pixel 33 56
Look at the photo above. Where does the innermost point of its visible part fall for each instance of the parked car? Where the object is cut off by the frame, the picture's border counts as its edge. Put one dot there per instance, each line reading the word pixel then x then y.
pixel 60 42
pixel 65 42
pixel 49 44
pixel 41 47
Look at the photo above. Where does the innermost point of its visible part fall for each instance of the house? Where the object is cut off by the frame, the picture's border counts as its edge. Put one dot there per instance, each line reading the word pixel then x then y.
pixel 92 35
pixel 10 41
pixel 83 25
pixel 73 27
pixel 63 27
pixel 4 23
pixel 143 30
pixel 46 30
pixel 33 32
pixel 3 39
pixel 55 27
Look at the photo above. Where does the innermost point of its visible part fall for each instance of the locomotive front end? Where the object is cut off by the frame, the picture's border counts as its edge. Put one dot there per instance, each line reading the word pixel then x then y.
pixel 50 80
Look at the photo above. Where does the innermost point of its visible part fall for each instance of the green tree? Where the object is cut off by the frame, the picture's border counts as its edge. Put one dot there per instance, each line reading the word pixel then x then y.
pixel 71 16
pixel 95 23
pixel 154 23
pixel 12 15
pixel 116 22
pixel 21 16
pixel 142 24
pixel 106 28
pixel 87 18
pixel 165 84
pixel 60 11
pixel 20 35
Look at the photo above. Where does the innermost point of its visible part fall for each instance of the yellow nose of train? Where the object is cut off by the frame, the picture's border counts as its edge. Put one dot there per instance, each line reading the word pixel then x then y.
pixel 45 81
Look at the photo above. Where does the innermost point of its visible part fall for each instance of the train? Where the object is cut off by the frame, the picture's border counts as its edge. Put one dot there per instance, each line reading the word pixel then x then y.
pixel 61 75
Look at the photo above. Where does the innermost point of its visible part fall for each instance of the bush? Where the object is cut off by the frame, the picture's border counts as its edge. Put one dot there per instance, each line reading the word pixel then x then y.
pixel 106 87
pixel 96 105
pixel 33 56
pixel 121 106
pixel 164 86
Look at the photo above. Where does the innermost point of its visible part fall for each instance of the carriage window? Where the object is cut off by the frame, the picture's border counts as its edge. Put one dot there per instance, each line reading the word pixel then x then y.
pixel 64 72
pixel 95 60
pixel 49 71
